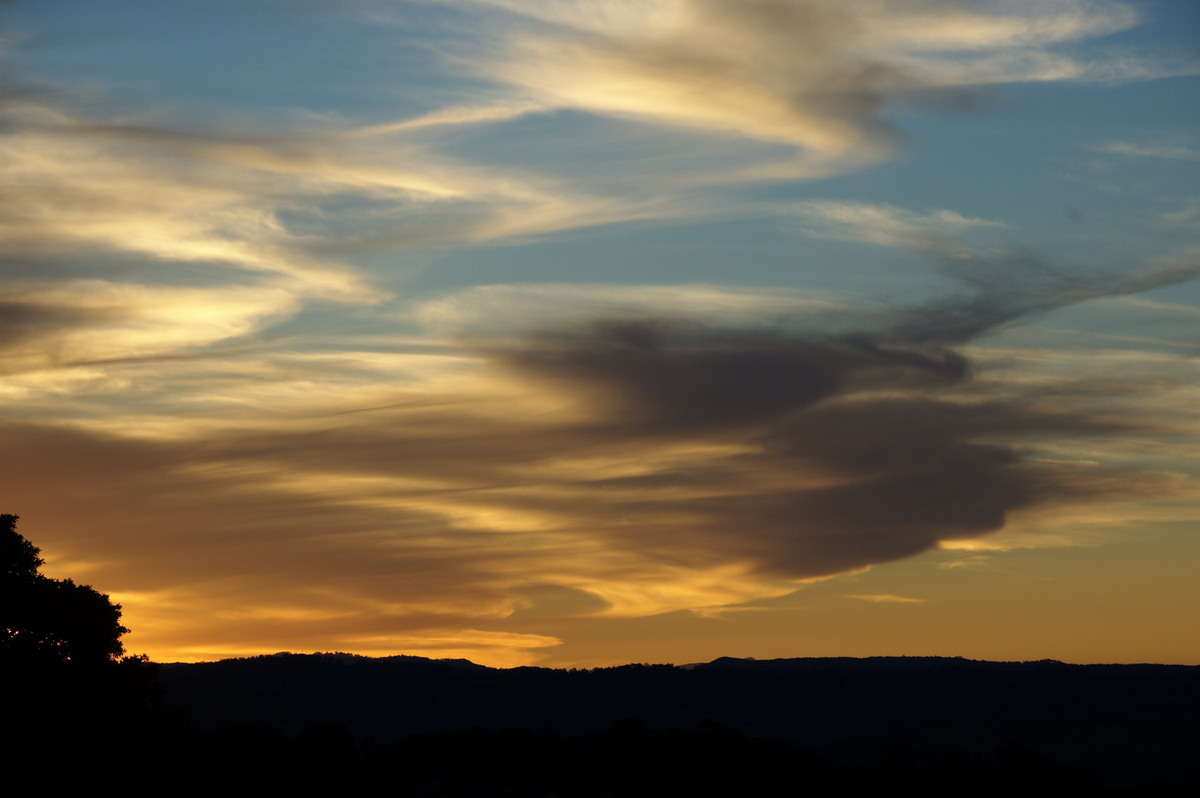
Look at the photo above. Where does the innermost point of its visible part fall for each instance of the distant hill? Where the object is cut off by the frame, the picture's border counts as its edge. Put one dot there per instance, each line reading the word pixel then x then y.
pixel 882 664
pixel 1134 724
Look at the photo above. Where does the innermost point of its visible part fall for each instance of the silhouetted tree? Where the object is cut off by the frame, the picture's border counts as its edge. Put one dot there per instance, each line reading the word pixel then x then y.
pixel 44 620
pixel 69 694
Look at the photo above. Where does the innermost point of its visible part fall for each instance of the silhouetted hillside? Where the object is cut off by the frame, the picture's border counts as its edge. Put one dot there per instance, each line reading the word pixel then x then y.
pixel 1129 724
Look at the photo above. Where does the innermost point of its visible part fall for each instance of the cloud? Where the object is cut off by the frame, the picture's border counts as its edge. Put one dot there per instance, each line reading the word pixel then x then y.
pixel 450 117
pixel 826 453
pixel 1174 152
pixel 497 311
pixel 127 237
pixel 658 376
pixel 816 75
pixel 1005 281
pixel 884 598
pixel 937 231
pixel 80 322
pixel 1010 285
pixel 1183 217
pixel 505 649
pixel 650 463
pixel 768 89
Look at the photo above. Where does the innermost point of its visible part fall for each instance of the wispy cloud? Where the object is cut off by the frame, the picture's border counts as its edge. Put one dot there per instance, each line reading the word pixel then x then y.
pixel 1174 152
pixel 884 598
pixel 815 75
pixel 1006 280
pixel 936 231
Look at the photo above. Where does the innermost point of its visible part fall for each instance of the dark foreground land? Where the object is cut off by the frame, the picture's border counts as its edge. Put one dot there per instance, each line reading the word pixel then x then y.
pixel 335 724
pixel 802 727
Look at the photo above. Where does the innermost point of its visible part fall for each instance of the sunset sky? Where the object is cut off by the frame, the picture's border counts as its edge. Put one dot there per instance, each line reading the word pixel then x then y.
pixel 578 333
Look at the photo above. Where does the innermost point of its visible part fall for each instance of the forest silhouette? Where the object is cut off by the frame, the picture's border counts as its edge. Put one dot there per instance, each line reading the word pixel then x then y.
pixel 83 716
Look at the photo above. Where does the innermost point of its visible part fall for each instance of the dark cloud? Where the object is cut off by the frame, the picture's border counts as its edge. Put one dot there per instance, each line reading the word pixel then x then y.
pixel 904 474
pixel 1016 285
pixel 665 376
pixel 857 449
pixel 21 321
pixel 895 475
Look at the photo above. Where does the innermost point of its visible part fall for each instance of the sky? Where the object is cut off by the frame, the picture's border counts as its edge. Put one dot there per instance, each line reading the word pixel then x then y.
pixel 563 333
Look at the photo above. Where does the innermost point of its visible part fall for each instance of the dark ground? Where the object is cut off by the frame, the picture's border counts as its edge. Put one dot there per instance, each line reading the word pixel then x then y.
pixel 800 727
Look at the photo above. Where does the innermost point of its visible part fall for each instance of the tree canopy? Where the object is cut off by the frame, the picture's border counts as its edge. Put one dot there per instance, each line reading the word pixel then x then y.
pixel 45 620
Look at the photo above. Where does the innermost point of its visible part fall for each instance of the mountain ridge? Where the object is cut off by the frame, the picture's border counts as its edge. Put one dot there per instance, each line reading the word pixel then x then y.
pixel 880 662
pixel 1129 722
